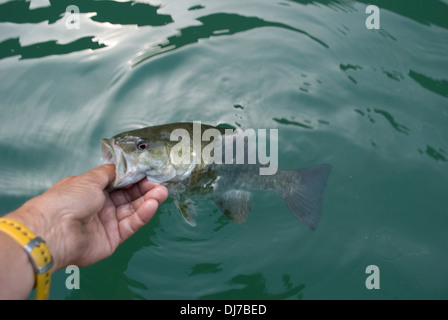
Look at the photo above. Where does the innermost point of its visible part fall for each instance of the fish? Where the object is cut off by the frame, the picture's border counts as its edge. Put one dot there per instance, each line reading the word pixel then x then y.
pixel 208 169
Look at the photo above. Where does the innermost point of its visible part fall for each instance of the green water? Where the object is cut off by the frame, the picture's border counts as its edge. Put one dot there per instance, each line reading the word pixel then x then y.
pixel 373 103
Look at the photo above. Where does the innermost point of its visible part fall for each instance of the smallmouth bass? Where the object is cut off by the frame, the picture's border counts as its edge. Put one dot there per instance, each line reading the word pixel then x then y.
pixel 211 168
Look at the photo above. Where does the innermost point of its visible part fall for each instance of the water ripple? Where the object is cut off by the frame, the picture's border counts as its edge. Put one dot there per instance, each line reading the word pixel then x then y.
pixel 113 12
pixel 439 87
pixel 12 47
pixel 213 25
pixel 254 285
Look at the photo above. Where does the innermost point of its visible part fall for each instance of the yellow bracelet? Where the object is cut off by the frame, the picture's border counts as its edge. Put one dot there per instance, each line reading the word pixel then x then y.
pixel 37 251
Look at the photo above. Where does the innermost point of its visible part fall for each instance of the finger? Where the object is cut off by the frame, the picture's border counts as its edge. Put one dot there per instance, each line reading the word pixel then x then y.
pixel 140 188
pixel 136 191
pixel 125 195
pixel 145 185
pixel 104 174
pixel 129 225
pixel 158 193
pixel 120 197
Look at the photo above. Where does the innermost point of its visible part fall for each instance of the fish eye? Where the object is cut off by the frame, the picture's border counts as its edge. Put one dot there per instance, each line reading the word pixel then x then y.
pixel 142 144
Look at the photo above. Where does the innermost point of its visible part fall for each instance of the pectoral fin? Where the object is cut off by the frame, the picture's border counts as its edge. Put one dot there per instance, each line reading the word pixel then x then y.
pixel 188 211
pixel 235 204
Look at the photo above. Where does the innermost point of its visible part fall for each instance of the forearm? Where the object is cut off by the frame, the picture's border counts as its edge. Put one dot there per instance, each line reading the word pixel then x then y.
pixel 16 271
pixel 17 276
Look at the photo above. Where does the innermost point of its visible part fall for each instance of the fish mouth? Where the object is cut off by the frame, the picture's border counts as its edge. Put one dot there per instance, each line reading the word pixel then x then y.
pixel 107 152
pixel 112 154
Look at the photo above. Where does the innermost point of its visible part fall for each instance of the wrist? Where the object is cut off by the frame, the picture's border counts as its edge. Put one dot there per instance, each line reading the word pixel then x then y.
pixel 36 221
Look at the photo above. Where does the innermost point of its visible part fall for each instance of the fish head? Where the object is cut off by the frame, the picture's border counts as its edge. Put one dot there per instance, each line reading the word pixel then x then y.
pixel 135 156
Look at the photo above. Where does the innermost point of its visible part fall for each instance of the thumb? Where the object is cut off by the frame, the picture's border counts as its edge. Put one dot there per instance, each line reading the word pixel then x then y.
pixel 103 175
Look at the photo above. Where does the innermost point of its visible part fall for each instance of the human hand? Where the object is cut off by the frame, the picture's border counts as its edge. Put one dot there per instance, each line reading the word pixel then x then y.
pixel 83 223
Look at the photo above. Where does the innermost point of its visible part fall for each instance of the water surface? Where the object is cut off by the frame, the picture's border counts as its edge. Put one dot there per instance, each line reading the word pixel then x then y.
pixel 373 103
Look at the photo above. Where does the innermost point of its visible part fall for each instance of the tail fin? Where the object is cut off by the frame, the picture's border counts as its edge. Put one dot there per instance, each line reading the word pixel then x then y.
pixel 303 194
